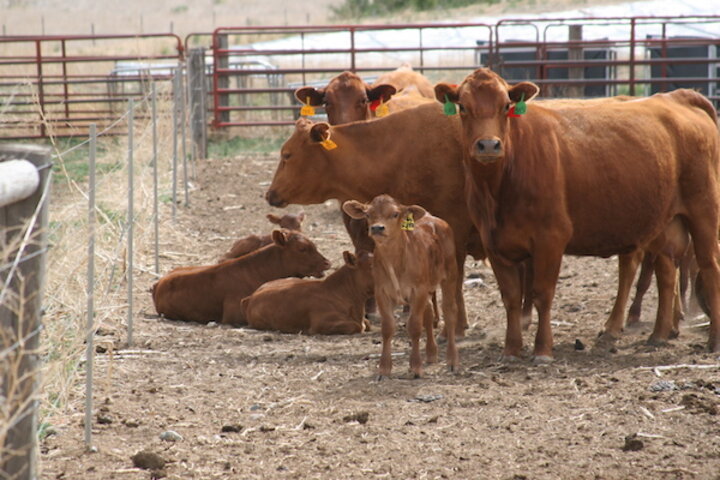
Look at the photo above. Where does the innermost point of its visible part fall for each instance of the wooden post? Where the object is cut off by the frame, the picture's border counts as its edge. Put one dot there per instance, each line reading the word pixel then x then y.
pixel 224 78
pixel 22 274
pixel 198 91
pixel 575 53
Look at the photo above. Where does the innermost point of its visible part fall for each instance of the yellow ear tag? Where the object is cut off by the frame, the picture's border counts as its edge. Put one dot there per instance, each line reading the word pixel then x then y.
pixel 409 223
pixel 307 110
pixel 382 110
pixel 328 144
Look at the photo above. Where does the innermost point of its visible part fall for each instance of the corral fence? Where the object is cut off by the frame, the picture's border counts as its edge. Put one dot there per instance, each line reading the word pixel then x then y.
pixel 246 76
pixel 24 194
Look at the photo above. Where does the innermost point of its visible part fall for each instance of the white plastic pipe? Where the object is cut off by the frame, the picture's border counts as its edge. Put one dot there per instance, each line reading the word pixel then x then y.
pixel 18 180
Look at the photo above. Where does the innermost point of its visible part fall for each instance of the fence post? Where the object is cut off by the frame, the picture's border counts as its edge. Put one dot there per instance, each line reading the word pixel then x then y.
pixel 575 54
pixel 130 220
pixel 20 310
pixel 223 63
pixel 198 91
pixel 90 333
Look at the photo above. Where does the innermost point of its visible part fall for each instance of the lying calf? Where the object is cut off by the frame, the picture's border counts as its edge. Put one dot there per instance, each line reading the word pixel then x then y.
pixel 213 293
pixel 251 243
pixel 332 306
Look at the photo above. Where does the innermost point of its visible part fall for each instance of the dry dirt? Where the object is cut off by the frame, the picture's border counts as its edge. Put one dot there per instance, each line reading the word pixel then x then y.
pixel 262 405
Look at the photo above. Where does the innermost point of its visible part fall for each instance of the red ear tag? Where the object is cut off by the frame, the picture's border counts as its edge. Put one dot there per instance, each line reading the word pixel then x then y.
pixel 375 104
pixel 511 113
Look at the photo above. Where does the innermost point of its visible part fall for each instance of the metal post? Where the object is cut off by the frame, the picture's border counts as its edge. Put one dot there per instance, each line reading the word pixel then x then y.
pixel 183 119
pixel 575 54
pixel 130 220
pixel 223 79
pixel 90 333
pixel 176 88
pixel 155 178
pixel 197 86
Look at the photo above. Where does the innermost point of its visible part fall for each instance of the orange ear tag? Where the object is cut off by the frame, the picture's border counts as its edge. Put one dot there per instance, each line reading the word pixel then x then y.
pixel 307 110
pixel 382 110
pixel 328 144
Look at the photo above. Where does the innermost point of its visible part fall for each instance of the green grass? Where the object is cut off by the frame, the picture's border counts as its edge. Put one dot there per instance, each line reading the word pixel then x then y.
pixel 238 145
pixel 76 162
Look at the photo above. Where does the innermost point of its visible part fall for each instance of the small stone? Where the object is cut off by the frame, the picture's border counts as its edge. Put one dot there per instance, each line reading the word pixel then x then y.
pixel 426 398
pixel 360 417
pixel 170 436
pixel 131 423
pixel 633 444
pixel 663 386
pixel 103 419
pixel 148 460
pixel 265 429
pixel 579 346
pixel 231 429
pixel 100 349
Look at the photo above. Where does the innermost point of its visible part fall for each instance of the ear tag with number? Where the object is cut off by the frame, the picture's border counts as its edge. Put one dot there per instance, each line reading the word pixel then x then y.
pixel 328 144
pixel 449 107
pixel 307 110
pixel 409 222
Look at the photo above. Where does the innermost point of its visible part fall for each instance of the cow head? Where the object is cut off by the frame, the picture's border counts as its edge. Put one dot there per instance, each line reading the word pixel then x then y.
pixel 362 266
pixel 346 98
pixel 484 101
pixel 299 177
pixel 289 221
pixel 300 255
pixel 384 215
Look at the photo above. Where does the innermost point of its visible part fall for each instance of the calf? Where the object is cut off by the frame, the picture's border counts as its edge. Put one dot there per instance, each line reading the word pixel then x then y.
pixel 251 243
pixel 414 254
pixel 213 293
pixel 332 306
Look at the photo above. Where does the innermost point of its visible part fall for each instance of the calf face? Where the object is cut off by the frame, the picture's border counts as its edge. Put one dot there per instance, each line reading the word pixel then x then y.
pixel 299 255
pixel 386 218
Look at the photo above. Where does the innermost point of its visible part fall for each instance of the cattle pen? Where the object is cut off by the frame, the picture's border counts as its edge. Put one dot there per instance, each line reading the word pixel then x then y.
pixel 218 402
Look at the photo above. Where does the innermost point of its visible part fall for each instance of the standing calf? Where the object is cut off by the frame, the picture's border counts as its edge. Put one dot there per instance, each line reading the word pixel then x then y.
pixel 414 254
pixel 332 306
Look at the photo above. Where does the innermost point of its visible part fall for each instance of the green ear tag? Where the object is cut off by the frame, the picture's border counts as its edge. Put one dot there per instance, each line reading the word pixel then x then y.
pixel 449 107
pixel 521 106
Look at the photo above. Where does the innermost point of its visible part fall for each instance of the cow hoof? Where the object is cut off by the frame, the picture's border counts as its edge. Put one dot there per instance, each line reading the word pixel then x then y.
pixel 542 360
pixel 606 338
pixel 674 334
pixel 656 342
pixel 510 358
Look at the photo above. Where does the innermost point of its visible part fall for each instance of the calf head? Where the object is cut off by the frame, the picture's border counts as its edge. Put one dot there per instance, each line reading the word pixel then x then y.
pixel 362 266
pixel 346 98
pixel 300 256
pixel 299 177
pixel 289 221
pixel 485 102
pixel 386 217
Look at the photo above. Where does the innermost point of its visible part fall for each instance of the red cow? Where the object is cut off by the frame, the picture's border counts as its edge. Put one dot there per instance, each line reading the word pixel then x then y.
pixel 414 255
pixel 251 243
pixel 213 293
pixel 553 181
pixel 331 306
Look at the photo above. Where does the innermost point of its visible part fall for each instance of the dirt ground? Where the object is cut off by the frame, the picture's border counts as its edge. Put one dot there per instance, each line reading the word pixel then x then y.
pixel 259 405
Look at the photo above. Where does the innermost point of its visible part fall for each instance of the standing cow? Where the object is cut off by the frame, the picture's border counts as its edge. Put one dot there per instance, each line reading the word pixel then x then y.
pixel 414 255
pixel 581 181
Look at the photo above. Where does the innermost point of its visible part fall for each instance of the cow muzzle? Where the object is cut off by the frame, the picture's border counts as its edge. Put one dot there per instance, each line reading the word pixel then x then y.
pixel 377 230
pixel 487 149
pixel 274 199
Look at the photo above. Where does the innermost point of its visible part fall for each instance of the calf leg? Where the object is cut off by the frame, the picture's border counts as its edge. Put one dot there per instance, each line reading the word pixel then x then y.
pixel 387 329
pixel 450 314
pixel 462 323
pixel 627 267
pixel 418 306
pixel 508 279
pixel 430 320
pixel 643 284
pixel 666 276
pixel 334 324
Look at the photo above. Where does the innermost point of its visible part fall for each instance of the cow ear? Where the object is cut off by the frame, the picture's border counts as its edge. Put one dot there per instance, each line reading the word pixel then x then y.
pixel 417 212
pixel 279 237
pixel 525 91
pixel 320 132
pixel 273 218
pixel 349 259
pixel 310 96
pixel 381 92
pixel 445 89
pixel 355 209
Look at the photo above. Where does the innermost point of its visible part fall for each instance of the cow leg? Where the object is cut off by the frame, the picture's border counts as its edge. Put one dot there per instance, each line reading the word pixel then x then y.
pixel 509 282
pixel 627 267
pixel 462 323
pixel 527 274
pixel 418 305
pixel 387 328
pixel 546 269
pixel 429 320
pixel 704 236
pixel 678 309
pixel 641 288
pixel 450 315
pixel 334 324
pixel 666 276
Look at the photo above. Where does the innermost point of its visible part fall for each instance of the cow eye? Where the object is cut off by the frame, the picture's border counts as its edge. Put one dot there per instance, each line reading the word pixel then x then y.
pixel 461 107
pixel 396 215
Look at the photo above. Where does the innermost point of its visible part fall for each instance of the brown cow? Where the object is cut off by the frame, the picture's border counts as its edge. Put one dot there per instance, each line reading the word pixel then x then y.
pixel 213 293
pixel 414 255
pixel 331 306
pixel 405 79
pixel 248 244
pixel 581 181
pixel 423 167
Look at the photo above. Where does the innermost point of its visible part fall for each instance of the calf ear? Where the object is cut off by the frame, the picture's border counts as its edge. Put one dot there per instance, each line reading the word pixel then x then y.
pixel 349 258
pixel 417 211
pixel 443 89
pixel 273 218
pixel 355 209
pixel 381 92
pixel 320 132
pixel 310 95
pixel 523 91
pixel 279 237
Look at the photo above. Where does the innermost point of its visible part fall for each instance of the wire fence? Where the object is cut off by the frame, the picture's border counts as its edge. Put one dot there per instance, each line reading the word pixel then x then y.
pixel 108 232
